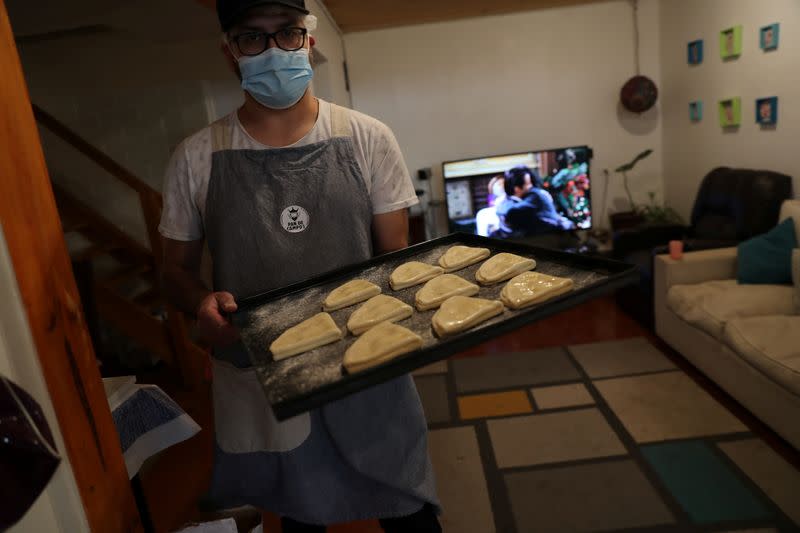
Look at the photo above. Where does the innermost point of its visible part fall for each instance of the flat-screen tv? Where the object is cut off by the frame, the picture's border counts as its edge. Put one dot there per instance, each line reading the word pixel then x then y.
pixel 520 195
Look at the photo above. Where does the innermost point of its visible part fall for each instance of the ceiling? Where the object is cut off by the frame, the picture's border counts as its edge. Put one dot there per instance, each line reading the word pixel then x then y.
pixel 60 18
pixel 156 21
pixel 358 15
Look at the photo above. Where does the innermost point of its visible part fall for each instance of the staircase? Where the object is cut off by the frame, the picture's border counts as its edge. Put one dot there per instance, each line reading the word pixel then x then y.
pixel 117 275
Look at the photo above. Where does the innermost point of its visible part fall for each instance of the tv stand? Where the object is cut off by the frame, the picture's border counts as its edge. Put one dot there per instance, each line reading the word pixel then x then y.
pixel 563 241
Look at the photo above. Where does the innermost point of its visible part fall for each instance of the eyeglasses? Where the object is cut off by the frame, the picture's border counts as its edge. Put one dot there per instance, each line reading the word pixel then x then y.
pixel 254 43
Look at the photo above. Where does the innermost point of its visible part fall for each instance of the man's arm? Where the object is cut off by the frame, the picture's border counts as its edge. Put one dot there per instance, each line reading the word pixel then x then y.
pixel 390 231
pixel 181 274
pixel 182 283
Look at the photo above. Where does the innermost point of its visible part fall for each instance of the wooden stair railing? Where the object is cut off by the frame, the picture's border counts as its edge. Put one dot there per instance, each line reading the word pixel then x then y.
pixel 149 198
pixel 169 338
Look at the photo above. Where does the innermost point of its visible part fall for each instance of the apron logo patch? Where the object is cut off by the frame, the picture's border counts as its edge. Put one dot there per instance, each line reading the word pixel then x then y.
pixel 294 219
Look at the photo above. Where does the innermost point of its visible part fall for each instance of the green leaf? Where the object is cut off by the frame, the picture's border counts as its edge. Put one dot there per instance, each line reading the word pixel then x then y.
pixel 629 166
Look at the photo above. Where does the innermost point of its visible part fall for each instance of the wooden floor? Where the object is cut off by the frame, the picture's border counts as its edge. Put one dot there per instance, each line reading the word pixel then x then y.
pixel 176 481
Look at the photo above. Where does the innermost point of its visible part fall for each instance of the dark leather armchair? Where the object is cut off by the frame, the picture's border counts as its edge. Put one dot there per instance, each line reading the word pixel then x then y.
pixel 732 205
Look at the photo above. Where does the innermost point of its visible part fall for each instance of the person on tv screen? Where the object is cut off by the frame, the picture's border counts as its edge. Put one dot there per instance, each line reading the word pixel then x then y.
pixel 569 185
pixel 497 192
pixel 528 209
pixel 695 53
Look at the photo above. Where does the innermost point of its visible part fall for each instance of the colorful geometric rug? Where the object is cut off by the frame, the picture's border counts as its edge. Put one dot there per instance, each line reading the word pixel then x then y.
pixel 598 437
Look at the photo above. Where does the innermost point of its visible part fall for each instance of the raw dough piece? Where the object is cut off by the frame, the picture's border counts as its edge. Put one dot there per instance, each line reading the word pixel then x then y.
pixel 458 257
pixel 317 331
pixel 460 313
pixel 378 309
pixel 503 266
pixel 413 273
pixel 380 344
pixel 531 288
pixel 440 288
pixel 352 292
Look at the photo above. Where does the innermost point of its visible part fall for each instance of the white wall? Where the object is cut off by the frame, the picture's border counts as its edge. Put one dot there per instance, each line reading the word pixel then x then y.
pixel 534 80
pixel 693 149
pixel 329 42
pixel 59 508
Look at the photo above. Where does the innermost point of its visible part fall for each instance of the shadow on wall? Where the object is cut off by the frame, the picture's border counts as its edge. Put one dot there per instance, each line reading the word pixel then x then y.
pixel 638 123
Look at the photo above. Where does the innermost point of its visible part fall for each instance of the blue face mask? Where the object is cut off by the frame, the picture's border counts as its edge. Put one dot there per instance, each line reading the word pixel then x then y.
pixel 276 79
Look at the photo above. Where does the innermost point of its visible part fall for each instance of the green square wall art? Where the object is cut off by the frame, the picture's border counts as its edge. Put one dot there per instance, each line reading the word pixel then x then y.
pixel 730 42
pixel 730 112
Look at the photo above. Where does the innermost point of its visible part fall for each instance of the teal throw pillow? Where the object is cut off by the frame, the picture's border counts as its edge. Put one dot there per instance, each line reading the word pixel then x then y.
pixel 768 258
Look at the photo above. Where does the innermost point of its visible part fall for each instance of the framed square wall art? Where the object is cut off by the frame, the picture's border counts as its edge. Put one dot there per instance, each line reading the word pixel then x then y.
pixel 730 112
pixel 694 52
pixel 769 37
pixel 767 111
pixel 730 42
pixel 696 111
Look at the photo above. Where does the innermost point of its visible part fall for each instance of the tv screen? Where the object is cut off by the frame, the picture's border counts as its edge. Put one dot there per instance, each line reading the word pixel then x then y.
pixel 520 195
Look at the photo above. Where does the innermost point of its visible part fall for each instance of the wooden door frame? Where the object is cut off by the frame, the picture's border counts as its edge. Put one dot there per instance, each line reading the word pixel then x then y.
pixel 44 274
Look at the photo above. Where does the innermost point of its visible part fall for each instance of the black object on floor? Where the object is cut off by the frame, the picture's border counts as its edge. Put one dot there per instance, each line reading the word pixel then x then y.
pixel 141 504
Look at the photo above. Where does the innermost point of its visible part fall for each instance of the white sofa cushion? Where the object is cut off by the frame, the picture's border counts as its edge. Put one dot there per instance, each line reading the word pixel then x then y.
pixel 769 343
pixel 796 278
pixel 791 208
pixel 710 305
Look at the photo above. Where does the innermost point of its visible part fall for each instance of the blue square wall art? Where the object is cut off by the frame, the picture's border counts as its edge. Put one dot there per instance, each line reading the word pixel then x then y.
pixel 767 111
pixel 695 52
pixel 769 37
pixel 696 111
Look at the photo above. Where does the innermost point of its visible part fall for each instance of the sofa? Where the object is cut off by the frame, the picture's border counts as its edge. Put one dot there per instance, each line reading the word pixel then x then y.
pixel 746 338
pixel 732 205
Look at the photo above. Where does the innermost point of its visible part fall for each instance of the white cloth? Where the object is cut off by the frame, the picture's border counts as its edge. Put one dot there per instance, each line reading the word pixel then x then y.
pixel 238 391
pixel 228 525
pixel 376 150
pixel 147 420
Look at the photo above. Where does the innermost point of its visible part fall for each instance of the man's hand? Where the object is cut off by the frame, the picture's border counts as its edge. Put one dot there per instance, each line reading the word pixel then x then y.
pixel 214 327
pixel 184 288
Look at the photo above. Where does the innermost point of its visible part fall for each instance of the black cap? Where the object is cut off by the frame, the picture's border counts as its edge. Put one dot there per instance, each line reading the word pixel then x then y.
pixel 229 11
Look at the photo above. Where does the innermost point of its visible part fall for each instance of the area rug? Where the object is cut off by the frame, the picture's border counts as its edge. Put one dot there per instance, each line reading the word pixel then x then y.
pixel 598 437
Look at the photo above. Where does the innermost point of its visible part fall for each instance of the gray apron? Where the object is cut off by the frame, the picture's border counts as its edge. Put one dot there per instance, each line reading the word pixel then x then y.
pixel 275 217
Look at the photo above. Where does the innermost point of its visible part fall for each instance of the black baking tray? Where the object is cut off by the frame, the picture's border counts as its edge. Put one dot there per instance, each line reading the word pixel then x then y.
pixel 313 379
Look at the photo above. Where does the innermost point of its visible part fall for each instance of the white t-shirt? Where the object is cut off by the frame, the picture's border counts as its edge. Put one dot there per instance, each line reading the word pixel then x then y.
pixel 189 170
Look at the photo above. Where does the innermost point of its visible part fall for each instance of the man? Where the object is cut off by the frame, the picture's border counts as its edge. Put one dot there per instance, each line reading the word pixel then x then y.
pixel 284 188
pixel 528 209
pixel 730 117
pixel 571 170
pixel 765 111
pixel 694 111
pixel 730 43
pixel 769 38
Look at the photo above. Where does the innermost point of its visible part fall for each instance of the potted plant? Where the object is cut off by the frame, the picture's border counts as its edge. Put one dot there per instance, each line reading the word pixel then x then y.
pixel 631 218
pixel 658 215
